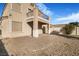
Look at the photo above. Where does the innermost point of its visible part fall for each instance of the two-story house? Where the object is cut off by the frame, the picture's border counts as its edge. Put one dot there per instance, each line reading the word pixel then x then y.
pixel 23 19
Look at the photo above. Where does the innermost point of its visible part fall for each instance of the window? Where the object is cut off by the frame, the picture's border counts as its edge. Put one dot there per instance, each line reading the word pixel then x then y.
pixel 16 6
pixel 16 26
pixel 29 10
pixel 29 13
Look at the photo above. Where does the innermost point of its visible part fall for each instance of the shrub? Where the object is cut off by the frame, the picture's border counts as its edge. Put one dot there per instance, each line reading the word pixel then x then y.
pixel 67 29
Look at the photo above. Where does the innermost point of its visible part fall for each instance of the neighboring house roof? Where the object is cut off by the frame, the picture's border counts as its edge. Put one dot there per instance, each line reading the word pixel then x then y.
pixel 57 25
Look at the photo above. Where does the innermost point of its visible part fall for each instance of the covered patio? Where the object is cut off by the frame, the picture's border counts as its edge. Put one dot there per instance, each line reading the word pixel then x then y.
pixel 42 28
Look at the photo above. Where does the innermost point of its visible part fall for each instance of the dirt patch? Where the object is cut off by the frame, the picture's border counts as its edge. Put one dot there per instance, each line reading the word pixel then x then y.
pixel 45 45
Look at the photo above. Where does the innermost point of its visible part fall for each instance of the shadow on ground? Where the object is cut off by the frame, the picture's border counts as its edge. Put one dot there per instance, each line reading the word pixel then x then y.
pixel 66 36
pixel 3 51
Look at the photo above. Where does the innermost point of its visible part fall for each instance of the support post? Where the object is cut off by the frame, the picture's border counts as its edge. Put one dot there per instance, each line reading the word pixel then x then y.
pixel 35 23
pixel 49 26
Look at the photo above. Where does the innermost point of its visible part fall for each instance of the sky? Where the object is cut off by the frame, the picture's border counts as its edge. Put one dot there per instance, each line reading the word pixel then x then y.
pixel 1 8
pixel 60 13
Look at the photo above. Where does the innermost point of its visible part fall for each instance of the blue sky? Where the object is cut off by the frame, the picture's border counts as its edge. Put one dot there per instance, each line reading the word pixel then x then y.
pixel 60 13
pixel 1 8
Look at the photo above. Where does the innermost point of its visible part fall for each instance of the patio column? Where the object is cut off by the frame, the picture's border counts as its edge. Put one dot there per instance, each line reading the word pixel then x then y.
pixel 35 23
pixel 49 26
pixel 46 28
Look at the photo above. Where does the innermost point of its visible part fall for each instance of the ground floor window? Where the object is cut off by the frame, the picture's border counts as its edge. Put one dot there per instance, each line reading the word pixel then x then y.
pixel 16 26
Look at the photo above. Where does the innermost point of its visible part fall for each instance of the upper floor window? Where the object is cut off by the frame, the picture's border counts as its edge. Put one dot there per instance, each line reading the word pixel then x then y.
pixel 29 10
pixel 16 6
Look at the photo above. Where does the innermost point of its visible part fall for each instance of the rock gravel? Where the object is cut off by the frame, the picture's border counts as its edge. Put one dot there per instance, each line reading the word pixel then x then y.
pixel 45 45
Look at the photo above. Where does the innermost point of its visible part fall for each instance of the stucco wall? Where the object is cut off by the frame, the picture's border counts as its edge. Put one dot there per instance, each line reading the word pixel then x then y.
pixel 74 31
pixel 77 30
pixel 16 7
pixel 6 23
pixel 17 14
pixel 26 27
pixel 55 29
pixel 16 26
pixel 21 17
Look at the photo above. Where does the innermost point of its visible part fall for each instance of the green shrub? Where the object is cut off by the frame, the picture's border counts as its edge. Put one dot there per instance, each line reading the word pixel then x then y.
pixel 68 29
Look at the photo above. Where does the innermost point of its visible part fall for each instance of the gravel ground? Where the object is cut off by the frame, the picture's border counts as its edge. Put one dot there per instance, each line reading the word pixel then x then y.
pixel 45 45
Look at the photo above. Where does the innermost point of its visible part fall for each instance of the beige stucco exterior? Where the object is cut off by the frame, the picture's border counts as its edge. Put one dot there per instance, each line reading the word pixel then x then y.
pixel 75 31
pixel 20 22
pixel 58 28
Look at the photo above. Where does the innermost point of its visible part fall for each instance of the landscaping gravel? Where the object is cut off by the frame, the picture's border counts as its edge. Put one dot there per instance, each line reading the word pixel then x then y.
pixel 45 45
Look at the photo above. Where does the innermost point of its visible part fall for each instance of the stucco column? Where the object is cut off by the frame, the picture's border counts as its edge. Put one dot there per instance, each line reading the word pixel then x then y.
pixel 35 23
pixel 49 26
pixel 46 28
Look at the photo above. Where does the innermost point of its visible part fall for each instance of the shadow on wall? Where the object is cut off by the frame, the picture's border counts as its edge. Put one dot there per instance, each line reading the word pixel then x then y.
pixel 3 51
pixel 31 26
